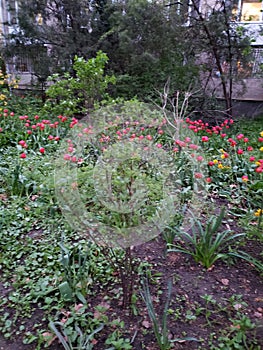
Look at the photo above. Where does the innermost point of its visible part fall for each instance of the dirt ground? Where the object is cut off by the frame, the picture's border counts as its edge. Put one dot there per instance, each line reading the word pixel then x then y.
pixel 188 308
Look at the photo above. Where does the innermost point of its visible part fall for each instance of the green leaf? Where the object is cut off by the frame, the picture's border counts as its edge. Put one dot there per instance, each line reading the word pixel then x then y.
pixel 81 297
pixel 65 291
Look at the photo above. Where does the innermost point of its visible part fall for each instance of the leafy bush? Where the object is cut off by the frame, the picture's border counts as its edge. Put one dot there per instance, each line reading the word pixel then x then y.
pixel 76 94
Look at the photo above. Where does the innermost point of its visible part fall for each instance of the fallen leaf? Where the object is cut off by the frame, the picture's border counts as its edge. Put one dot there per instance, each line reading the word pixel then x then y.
pixel 3 197
pixel 237 306
pixel 146 324
pixel 225 281
pixel 77 307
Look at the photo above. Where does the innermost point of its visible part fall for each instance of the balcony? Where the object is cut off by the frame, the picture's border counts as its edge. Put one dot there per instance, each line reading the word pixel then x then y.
pixel 255 31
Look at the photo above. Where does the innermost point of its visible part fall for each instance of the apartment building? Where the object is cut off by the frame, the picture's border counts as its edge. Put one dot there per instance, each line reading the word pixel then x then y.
pixel 250 14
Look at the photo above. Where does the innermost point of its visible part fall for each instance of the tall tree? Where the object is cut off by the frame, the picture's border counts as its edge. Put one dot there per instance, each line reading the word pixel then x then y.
pixel 221 43
pixel 60 29
pixel 148 45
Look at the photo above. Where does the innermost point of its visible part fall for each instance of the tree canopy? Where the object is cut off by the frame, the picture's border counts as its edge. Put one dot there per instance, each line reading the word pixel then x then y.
pixel 147 42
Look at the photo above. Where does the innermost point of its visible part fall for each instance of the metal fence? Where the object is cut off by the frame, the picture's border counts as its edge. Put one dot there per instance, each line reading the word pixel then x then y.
pixel 257 62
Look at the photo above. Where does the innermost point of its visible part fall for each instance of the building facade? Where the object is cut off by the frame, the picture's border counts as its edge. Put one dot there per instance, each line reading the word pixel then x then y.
pixel 249 15
pixel 19 65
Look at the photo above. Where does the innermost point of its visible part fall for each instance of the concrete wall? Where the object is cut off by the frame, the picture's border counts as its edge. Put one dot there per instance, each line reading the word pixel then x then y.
pixel 250 89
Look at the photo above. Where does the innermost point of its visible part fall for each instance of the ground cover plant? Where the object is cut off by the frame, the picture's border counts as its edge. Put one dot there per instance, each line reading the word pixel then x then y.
pixel 192 280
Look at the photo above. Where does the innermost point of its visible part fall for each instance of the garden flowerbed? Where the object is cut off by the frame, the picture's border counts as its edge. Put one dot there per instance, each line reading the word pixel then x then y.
pixel 165 254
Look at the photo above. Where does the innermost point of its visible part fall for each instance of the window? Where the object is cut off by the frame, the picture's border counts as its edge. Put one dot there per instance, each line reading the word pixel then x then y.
pixel 21 64
pixel 251 10
pixel 12 12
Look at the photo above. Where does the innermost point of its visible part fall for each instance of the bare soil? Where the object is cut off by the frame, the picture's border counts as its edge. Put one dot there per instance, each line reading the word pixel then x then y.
pixel 187 315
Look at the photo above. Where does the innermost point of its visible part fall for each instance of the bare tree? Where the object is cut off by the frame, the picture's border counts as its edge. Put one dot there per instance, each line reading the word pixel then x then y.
pixel 223 38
